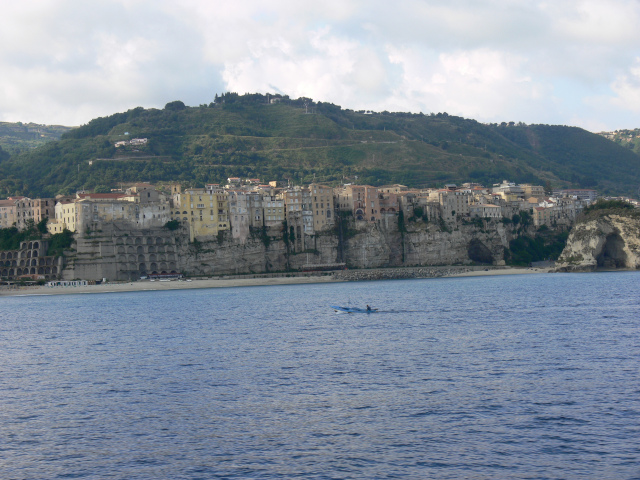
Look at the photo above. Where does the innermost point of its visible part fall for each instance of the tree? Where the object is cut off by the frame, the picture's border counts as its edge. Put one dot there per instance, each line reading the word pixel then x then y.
pixel 175 106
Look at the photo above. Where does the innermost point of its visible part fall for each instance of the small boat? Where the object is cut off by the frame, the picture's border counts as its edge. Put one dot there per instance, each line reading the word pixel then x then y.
pixel 353 309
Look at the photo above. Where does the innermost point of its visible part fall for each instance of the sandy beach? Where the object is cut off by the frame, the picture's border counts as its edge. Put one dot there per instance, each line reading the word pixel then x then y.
pixel 146 285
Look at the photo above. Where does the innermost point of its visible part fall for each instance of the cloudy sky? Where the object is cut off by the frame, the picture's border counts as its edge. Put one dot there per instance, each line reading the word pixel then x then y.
pixel 570 62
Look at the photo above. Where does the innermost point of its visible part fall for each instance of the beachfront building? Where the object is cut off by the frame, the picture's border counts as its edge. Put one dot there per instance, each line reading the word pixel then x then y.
pixel 140 206
pixel 30 262
pixel 204 211
pixel 273 208
pixel 322 207
pixel 361 200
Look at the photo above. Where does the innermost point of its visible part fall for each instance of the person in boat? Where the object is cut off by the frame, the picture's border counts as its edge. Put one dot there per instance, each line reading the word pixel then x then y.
pixel 368 308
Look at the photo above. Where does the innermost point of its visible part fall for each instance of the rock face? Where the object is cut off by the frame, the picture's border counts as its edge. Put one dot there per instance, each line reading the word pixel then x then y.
pixel 609 241
pixel 118 253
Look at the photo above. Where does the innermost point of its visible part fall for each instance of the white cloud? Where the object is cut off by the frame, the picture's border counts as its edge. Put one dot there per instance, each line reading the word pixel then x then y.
pixel 627 89
pixel 489 59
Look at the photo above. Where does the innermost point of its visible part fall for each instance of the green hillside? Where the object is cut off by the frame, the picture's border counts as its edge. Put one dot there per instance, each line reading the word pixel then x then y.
pixel 19 137
pixel 301 140
pixel 626 138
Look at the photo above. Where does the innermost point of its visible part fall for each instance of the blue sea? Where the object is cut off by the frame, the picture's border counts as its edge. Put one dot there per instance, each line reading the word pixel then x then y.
pixel 501 377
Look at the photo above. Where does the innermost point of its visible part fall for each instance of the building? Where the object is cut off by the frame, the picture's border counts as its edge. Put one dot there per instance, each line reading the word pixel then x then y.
pixel 581 193
pixel 30 262
pixel 273 208
pixel 8 213
pixel 361 200
pixel 205 212
pixel 484 210
pixel 322 207
pixel 533 190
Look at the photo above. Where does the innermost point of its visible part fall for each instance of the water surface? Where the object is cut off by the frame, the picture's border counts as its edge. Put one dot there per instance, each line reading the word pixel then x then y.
pixel 532 376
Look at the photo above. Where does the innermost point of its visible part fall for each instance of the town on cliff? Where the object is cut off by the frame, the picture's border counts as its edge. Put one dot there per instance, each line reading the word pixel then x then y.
pixel 147 230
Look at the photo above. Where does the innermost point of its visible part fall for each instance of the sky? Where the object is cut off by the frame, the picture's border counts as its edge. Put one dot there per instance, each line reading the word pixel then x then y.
pixel 565 62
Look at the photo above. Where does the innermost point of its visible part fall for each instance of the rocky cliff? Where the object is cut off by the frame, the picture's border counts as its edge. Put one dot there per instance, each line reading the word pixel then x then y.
pixel 118 253
pixel 606 240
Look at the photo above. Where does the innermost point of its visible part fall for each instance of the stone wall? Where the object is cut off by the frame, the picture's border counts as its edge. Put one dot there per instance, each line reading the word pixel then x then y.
pixel 120 253
pixel 31 259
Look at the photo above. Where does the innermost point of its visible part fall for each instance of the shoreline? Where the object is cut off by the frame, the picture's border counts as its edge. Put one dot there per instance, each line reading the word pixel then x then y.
pixel 143 286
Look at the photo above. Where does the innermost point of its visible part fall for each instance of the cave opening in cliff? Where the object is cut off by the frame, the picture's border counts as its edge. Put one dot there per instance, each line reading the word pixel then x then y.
pixel 479 253
pixel 612 254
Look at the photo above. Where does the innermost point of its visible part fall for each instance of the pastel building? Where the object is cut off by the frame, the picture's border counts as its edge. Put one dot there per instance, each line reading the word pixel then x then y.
pixel 204 211
pixel 322 207
pixel 361 200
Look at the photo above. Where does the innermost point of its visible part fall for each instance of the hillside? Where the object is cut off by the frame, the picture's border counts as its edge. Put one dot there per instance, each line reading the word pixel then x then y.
pixel 301 140
pixel 626 138
pixel 19 137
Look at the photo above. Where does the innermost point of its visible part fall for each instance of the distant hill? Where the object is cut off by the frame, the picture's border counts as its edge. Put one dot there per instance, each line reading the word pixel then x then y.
pixel 299 140
pixel 627 138
pixel 18 137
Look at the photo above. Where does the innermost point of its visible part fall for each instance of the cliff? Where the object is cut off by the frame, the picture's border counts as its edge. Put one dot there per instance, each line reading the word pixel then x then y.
pixel 119 253
pixel 605 240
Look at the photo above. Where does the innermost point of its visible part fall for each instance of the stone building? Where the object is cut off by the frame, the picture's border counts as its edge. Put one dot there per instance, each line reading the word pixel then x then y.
pixel 30 262
pixel 322 207
pixel 361 200
pixel 8 213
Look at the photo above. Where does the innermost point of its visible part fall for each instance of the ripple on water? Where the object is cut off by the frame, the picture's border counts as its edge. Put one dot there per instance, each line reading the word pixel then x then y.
pixel 487 377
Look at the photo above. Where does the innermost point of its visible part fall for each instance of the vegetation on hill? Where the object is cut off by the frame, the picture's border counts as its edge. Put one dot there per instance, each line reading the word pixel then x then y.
pixel 607 207
pixel 21 137
pixel 274 137
pixel 629 139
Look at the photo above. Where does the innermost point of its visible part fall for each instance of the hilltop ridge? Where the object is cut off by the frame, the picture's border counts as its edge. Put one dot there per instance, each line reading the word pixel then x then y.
pixel 276 137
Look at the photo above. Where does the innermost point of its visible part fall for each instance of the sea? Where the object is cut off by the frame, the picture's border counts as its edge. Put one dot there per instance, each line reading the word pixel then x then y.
pixel 494 377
